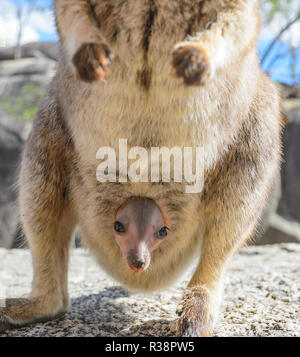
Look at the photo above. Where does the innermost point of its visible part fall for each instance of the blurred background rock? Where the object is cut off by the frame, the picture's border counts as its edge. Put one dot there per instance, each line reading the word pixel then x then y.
pixel 28 57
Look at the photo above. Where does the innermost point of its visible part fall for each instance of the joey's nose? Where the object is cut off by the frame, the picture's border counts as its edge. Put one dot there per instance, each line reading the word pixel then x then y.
pixel 136 263
pixel 139 264
pixel 136 270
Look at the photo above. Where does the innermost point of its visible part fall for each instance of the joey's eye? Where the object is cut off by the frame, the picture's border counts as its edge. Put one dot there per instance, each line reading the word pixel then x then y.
pixel 119 227
pixel 162 233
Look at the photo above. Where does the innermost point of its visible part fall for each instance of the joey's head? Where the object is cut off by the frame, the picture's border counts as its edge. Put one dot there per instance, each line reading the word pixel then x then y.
pixel 139 229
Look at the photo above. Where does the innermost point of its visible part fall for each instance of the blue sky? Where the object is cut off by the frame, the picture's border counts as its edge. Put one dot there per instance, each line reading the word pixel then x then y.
pixel 41 27
pixel 281 60
pixel 22 2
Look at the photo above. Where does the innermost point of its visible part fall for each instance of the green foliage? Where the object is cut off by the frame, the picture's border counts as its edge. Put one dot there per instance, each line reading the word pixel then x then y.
pixel 285 7
pixel 24 106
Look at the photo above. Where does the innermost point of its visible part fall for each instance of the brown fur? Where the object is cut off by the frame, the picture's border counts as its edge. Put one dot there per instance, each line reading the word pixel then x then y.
pixel 91 61
pixel 192 64
pixel 194 313
pixel 233 114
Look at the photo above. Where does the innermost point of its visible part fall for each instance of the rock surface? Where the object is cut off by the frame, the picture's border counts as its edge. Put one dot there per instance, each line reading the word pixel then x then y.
pixel 22 84
pixel 12 136
pixel 32 49
pixel 281 230
pixel 26 66
pixel 261 298
pixel 290 203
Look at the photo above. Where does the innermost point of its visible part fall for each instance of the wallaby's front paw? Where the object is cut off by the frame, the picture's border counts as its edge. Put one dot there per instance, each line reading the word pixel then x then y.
pixel 191 63
pixel 91 61
pixel 194 319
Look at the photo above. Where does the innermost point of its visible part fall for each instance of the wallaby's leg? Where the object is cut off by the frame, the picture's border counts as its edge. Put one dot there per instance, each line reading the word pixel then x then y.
pixel 232 202
pixel 199 309
pixel 225 233
pixel 48 223
pixel 49 296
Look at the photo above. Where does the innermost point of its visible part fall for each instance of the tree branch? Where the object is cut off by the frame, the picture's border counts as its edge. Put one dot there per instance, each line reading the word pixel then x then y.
pixel 281 32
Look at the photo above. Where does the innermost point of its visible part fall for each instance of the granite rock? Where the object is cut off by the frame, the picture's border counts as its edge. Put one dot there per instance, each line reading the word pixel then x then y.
pixel 261 297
